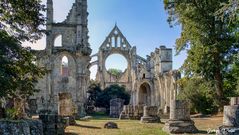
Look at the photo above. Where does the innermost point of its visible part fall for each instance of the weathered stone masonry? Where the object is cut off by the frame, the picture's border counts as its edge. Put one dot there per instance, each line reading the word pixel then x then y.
pixel 75 48
pixel 150 81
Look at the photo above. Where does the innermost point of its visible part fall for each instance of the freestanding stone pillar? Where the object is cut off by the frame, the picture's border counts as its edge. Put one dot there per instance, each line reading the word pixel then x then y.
pixel 148 118
pixel 179 121
pixel 230 119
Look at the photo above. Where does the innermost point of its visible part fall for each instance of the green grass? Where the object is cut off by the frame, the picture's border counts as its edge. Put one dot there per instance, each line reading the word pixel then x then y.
pixel 125 127
pixel 134 127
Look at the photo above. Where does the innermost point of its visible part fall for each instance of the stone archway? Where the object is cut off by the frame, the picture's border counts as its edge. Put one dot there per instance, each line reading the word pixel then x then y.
pixel 144 94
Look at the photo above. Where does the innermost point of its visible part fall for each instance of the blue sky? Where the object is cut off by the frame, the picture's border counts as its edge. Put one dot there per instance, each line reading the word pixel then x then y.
pixel 143 23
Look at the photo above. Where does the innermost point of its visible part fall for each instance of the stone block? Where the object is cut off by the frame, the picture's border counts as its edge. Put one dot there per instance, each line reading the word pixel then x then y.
pixel 231 116
pixel 179 127
pixel 179 110
pixel 179 121
pixel 147 118
pixel 22 127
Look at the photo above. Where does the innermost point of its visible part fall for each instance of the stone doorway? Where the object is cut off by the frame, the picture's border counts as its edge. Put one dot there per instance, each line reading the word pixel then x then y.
pixel 144 94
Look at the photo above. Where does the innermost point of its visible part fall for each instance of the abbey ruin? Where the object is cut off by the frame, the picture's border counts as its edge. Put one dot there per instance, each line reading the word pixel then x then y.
pixel 151 80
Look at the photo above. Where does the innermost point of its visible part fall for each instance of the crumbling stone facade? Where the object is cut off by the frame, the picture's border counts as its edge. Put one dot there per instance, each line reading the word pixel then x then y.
pixel 150 81
pixel 72 78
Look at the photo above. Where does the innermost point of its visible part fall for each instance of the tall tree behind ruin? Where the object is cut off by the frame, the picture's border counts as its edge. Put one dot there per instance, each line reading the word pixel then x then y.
pixel 211 40
pixel 20 20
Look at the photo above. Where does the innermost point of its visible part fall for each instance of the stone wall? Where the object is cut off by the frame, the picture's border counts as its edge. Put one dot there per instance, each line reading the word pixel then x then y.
pixel 136 112
pixel 150 80
pixel 21 127
pixel 154 72
pixel 74 47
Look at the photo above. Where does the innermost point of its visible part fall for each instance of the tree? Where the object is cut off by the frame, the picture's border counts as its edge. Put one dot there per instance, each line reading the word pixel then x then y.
pixel 20 20
pixel 94 92
pixel 115 72
pixel 230 9
pixel 111 92
pixel 18 72
pixel 210 40
pixel 199 93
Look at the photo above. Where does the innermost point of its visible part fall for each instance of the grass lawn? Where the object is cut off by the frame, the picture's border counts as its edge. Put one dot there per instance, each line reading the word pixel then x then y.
pixel 134 127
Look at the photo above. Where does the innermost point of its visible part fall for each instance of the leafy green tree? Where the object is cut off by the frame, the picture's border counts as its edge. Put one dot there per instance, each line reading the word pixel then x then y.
pixel 200 94
pixel 229 9
pixel 115 72
pixel 111 92
pixel 20 20
pixel 210 40
pixel 94 91
pixel 18 73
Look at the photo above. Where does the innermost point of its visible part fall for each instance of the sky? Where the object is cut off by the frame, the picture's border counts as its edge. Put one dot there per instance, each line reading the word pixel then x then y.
pixel 142 22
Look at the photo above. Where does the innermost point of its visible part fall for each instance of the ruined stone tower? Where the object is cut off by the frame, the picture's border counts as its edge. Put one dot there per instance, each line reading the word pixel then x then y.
pixel 65 40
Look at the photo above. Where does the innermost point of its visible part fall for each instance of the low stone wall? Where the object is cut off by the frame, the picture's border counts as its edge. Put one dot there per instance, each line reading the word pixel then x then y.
pixel 150 115
pixel 21 127
pixel 136 112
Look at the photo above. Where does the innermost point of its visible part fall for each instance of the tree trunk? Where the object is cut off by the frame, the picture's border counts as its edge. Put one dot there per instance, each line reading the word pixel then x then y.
pixel 219 82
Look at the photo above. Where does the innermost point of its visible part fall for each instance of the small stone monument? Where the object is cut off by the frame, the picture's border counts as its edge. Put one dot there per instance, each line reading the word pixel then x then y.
pixel 179 121
pixel 230 119
pixel 149 118
pixel 116 107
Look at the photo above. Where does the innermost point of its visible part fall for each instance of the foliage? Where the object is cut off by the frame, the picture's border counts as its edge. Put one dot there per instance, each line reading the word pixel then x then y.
pixel 18 73
pixel 94 91
pixel 231 78
pixel 211 40
pixel 11 113
pixel 200 94
pixel 115 72
pixel 230 9
pixel 111 92
pixel 22 19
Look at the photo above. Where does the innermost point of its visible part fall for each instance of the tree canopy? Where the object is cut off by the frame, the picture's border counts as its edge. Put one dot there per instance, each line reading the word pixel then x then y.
pixel 20 20
pixel 211 41
pixel 115 72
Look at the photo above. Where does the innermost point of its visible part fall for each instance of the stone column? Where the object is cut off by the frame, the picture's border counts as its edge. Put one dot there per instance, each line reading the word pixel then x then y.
pixel 230 118
pixel 179 121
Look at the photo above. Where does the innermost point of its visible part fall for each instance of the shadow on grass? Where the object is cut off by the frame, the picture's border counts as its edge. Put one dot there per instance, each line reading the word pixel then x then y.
pixel 84 126
pixel 70 133
pixel 202 132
